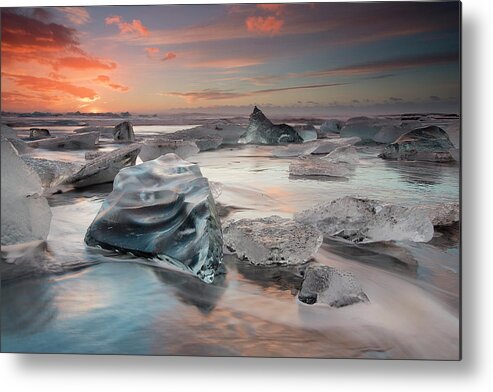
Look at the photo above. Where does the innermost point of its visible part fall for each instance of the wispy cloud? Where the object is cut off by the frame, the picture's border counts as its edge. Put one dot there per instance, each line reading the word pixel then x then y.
pixel 217 94
pixel 383 65
pixel 135 27
pixel 106 81
pixel 77 15
pixel 169 56
pixel 83 63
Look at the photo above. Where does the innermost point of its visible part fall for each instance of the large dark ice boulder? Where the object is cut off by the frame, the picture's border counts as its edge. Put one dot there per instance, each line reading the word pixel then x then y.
pixel 423 144
pixel 162 210
pixel 262 131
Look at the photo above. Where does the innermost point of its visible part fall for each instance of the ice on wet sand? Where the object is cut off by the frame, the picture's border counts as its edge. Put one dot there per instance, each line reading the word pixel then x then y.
pixel 330 286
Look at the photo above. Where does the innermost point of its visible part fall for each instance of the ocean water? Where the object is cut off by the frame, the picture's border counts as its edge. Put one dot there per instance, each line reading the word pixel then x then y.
pixel 110 304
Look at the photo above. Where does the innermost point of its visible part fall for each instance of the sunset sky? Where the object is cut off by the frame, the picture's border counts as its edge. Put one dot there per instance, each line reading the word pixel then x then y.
pixel 377 57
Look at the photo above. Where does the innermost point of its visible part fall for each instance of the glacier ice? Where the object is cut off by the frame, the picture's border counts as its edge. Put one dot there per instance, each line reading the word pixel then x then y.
pixel 314 166
pixel 330 286
pixel 77 141
pixel 262 131
pixel 363 220
pixel 124 132
pixel 104 167
pixel 423 144
pixel 330 127
pixel 26 214
pixel 445 214
pixel 154 148
pixel 163 210
pixel 50 172
pixel 272 240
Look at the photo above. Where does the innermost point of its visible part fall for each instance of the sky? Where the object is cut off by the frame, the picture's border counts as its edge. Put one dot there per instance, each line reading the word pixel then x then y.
pixel 294 58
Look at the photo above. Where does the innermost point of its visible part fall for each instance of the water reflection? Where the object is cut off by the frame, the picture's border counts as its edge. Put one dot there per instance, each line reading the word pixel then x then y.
pixel 193 291
pixel 384 255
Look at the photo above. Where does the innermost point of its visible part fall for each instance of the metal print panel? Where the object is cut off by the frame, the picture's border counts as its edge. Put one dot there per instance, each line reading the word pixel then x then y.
pixel 269 180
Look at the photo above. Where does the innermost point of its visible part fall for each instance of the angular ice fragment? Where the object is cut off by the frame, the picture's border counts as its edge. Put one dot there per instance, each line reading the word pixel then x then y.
pixel 262 131
pixel 77 141
pixel 362 220
pixel 124 132
pixel 313 166
pixel 104 167
pixel 154 148
pixel 327 285
pixel 26 214
pixel 272 240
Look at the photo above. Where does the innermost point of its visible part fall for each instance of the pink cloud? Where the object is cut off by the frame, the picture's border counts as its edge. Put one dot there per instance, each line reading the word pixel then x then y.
pixel 134 27
pixel 169 56
pixel 274 8
pixel 152 52
pixel 106 81
pixel 261 25
pixel 83 63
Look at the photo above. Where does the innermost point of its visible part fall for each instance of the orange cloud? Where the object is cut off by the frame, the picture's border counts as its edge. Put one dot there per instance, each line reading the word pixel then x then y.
pixel 44 85
pixel 261 25
pixel 169 56
pixel 82 63
pixel 106 81
pixel 152 52
pixel 274 8
pixel 21 34
pixel 135 27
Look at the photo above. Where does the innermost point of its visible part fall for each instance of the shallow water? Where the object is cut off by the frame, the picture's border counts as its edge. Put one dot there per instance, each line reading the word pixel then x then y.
pixel 117 305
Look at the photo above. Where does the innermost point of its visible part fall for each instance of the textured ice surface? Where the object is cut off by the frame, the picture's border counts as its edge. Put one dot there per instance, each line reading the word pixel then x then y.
pixel 389 133
pixel 201 136
pixel 343 154
pixel 272 240
pixel 162 209
pixel 50 172
pixel 7 132
pixel 314 166
pixel 307 132
pixel 102 130
pixel 25 215
pixel 363 220
pixel 10 134
pixel 442 214
pixel 330 286
pixel 330 126
pixel 104 167
pixel 77 141
pixel 124 132
pixel 423 144
pixel 262 131
pixel 154 148
pixel 326 146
